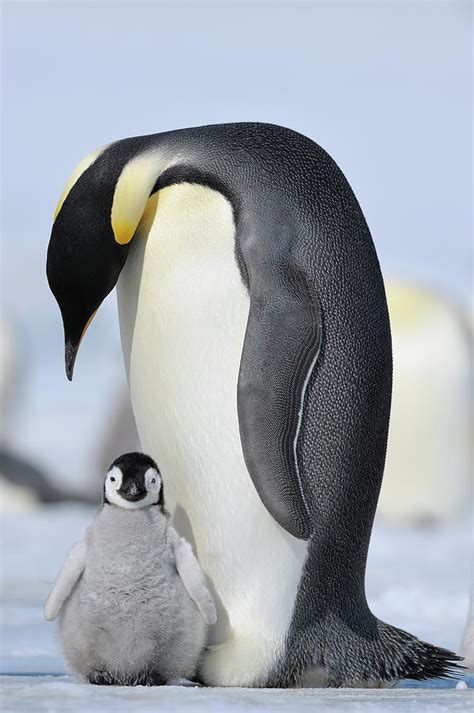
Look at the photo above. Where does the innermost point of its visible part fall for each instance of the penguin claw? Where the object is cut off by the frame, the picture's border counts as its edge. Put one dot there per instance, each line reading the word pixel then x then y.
pixel 101 678
pixel 104 678
pixel 150 679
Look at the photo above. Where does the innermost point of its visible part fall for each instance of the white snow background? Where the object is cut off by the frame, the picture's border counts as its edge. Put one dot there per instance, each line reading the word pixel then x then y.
pixel 418 579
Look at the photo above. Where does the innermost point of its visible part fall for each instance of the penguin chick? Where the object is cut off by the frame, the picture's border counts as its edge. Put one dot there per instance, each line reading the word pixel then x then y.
pixel 133 603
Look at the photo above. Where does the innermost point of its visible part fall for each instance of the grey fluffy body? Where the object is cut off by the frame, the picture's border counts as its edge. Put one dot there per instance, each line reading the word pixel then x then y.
pixel 130 614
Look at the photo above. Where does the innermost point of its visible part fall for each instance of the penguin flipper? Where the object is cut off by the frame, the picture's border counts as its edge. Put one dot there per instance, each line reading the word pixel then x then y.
pixel 66 580
pixel 281 346
pixel 193 579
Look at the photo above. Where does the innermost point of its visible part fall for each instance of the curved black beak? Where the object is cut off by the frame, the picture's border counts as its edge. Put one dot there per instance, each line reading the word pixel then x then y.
pixel 72 345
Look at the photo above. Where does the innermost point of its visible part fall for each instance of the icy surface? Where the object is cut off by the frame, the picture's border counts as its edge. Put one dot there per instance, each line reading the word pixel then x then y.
pixel 62 694
pixel 418 579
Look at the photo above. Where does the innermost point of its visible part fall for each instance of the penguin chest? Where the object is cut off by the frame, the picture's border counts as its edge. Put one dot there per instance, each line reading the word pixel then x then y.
pixel 183 314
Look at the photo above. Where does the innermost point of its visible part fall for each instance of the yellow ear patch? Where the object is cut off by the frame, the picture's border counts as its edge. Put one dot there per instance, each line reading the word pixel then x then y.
pixel 132 193
pixel 76 174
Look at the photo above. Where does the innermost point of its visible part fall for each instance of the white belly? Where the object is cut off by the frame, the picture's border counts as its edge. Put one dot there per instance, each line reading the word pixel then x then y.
pixel 183 313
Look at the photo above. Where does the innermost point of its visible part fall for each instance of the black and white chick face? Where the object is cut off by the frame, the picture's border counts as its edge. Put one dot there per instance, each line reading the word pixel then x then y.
pixel 133 481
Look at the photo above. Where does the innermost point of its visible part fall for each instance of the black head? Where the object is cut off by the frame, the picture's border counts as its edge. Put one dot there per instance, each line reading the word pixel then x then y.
pixel 133 481
pixel 84 259
pixel 96 218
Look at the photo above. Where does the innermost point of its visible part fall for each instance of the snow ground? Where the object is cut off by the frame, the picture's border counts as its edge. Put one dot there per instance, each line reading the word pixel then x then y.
pixel 417 579
pixel 62 694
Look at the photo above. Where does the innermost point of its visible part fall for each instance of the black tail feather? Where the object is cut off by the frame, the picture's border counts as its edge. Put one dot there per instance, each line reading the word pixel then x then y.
pixel 354 651
pixel 391 655
pixel 419 660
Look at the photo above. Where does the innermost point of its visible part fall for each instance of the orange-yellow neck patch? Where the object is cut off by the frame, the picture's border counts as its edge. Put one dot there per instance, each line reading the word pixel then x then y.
pixel 132 192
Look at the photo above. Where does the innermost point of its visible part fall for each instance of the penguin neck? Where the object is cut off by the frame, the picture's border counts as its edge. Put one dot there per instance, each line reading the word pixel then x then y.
pixel 127 526
pixel 115 512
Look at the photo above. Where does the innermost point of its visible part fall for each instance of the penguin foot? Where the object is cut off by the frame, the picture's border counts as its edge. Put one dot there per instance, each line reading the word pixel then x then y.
pixel 196 681
pixel 101 678
pixel 148 679
pixel 104 678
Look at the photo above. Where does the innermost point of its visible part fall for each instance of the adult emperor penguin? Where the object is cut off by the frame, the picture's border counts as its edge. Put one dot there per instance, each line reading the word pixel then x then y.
pixel 257 345
pixel 428 469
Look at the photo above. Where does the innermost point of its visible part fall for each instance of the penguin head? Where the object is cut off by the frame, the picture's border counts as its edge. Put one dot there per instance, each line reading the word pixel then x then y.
pixel 84 260
pixel 133 481
pixel 94 223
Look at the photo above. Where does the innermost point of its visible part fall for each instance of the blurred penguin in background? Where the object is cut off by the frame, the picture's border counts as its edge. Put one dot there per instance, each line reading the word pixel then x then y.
pixel 428 469
pixel 9 355
pixel 23 484
pixel 467 645
pixel 12 494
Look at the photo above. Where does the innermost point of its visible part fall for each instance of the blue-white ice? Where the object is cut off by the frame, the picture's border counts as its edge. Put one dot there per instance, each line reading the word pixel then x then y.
pixel 418 579
pixel 62 694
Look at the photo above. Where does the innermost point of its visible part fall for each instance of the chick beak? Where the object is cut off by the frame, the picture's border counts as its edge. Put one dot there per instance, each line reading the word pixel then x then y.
pixel 132 493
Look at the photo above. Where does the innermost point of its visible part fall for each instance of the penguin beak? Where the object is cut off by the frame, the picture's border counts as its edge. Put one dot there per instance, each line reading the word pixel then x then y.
pixel 133 494
pixel 70 354
pixel 72 347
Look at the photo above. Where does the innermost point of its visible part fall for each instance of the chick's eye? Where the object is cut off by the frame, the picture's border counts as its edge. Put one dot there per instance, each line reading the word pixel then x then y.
pixel 112 479
pixel 153 480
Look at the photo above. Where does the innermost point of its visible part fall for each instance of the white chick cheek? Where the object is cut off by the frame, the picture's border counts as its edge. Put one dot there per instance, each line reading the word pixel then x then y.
pixel 113 483
pixel 152 484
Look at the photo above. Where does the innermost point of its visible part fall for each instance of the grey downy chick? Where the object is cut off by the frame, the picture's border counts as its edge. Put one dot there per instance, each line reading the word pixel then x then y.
pixel 133 603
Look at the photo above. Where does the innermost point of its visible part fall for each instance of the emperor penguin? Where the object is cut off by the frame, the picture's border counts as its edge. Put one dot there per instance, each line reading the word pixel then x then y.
pixel 24 484
pixel 428 469
pixel 257 347
pixel 467 645
pixel 133 601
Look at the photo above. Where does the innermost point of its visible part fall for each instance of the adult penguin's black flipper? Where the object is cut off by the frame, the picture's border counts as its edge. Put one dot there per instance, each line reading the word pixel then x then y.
pixel 281 346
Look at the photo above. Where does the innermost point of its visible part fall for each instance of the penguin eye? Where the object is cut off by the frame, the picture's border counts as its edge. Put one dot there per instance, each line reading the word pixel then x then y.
pixel 112 479
pixel 153 480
